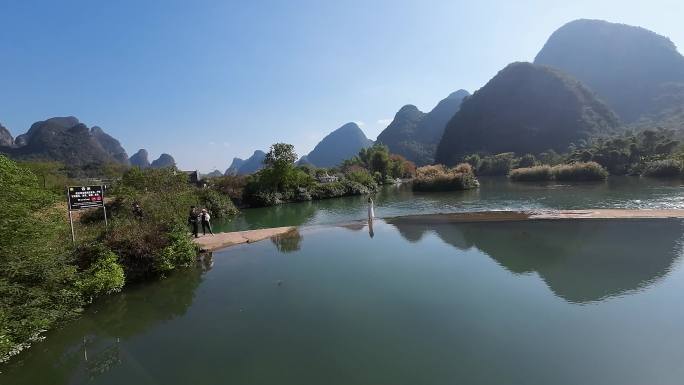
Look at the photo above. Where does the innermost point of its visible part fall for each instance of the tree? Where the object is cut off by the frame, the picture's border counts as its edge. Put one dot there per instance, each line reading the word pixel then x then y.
pixel 528 160
pixel 380 162
pixel 37 277
pixel 281 155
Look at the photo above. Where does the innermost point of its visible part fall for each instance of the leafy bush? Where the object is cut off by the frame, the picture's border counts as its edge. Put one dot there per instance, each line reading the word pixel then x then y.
pixel 104 275
pixel 499 164
pixel 362 176
pixel 441 178
pixel 527 160
pixel 37 272
pixel 219 205
pixel 667 168
pixel 160 241
pixel 356 188
pixel 581 171
pixel 231 185
pixel 328 190
pixel 180 251
pixel 530 174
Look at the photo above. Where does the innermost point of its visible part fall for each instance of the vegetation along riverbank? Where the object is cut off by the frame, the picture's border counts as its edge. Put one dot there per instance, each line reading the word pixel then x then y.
pixel 45 279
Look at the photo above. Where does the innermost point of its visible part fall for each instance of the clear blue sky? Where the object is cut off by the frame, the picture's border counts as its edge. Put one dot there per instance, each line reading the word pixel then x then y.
pixel 210 80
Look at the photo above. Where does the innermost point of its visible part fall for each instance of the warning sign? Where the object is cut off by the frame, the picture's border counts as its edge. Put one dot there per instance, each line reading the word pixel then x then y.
pixel 85 197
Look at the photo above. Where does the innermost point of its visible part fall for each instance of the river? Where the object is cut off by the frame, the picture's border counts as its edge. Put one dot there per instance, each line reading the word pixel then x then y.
pixel 494 194
pixel 562 302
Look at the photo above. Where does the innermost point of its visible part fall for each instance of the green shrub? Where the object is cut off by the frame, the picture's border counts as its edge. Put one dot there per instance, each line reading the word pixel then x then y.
pixel 531 174
pixel 181 251
pixel 499 164
pixel 668 168
pixel 328 190
pixel 581 171
pixel 440 178
pixel 37 271
pixel 218 204
pixel 104 275
pixel 356 188
pixel 362 177
pixel 527 160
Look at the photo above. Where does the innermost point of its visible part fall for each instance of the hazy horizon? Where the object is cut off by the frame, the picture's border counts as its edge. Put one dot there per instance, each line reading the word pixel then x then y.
pixel 211 81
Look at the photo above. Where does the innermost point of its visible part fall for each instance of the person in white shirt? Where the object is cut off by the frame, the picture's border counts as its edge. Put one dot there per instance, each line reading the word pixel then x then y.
pixel 205 222
pixel 371 212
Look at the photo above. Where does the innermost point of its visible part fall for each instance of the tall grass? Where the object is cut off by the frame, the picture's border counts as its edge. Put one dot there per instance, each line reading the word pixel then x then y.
pixel 531 174
pixel 580 171
pixel 668 168
pixel 441 178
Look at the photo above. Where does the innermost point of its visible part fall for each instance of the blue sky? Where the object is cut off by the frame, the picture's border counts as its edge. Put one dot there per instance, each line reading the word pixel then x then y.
pixel 210 80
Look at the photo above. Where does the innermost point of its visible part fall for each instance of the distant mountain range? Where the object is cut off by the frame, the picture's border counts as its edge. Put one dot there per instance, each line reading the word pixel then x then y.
pixel 591 77
pixel 213 174
pixel 140 159
pixel 639 73
pixel 247 166
pixel 67 140
pixel 6 139
pixel 164 160
pixel 414 134
pixel 339 145
pixel 525 108
pixel 234 167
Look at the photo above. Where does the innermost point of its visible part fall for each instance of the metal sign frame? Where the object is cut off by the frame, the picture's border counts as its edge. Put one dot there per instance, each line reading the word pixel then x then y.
pixel 85 204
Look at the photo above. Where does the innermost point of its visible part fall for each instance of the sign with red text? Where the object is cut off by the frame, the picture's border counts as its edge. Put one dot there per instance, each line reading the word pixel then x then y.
pixel 85 197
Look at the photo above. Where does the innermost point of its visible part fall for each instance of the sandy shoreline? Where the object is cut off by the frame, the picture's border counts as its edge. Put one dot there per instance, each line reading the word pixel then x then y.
pixel 509 216
pixel 223 240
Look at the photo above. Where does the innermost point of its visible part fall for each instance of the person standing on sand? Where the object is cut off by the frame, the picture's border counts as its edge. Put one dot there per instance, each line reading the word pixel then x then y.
pixel 205 222
pixel 371 215
pixel 371 212
pixel 193 221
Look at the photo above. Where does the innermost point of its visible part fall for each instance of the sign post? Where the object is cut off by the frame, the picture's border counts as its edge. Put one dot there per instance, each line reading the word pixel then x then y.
pixel 84 197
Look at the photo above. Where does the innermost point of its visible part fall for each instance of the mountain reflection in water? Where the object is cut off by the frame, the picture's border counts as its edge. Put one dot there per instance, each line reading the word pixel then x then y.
pixel 580 261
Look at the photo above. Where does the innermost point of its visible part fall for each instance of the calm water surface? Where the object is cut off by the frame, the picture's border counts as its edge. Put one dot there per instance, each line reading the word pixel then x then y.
pixel 494 194
pixel 563 302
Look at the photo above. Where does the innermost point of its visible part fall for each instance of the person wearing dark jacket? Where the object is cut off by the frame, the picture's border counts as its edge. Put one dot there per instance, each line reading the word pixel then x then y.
pixel 193 221
pixel 138 211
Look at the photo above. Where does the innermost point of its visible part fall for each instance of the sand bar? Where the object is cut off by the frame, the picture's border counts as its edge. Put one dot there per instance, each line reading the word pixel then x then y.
pixel 222 240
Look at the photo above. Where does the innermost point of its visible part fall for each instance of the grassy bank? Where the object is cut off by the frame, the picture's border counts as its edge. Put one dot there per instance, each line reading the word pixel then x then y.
pixel 45 280
pixel 282 180
pixel 575 172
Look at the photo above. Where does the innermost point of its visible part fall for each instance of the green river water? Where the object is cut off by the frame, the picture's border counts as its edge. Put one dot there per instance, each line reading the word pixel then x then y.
pixel 494 194
pixel 562 302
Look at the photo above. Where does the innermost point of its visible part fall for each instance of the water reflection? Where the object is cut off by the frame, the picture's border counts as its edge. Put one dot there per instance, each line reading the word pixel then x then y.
pixel 95 343
pixel 294 214
pixel 288 242
pixel 494 194
pixel 580 261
